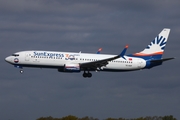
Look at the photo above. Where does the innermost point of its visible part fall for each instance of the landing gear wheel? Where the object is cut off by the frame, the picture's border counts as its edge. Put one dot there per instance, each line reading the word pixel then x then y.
pixel 84 75
pixel 21 71
pixel 87 75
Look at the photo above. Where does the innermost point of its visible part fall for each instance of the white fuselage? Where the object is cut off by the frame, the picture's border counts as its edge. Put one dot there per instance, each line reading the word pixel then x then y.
pixel 52 59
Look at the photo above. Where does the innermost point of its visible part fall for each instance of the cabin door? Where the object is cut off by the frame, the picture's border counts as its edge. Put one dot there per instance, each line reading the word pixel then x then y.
pixel 27 57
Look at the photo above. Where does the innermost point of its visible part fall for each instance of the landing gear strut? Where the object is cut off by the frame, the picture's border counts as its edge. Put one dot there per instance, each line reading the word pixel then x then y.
pixel 88 74
pixel 21 68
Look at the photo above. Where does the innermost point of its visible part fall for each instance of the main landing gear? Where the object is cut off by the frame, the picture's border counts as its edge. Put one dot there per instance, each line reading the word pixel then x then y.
pixel 88 74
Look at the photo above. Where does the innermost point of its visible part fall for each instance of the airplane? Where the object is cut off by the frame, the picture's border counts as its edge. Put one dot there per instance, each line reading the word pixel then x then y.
pixel 74 62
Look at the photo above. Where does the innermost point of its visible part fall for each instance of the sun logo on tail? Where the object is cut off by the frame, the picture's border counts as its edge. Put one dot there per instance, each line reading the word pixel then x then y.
pixel 158 42
pixel 157 46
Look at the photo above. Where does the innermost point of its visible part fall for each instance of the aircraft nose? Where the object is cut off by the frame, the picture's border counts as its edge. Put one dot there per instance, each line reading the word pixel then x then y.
pixel 8 59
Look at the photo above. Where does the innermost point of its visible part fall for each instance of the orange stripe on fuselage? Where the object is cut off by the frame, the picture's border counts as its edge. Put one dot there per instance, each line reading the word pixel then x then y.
pixel 143 54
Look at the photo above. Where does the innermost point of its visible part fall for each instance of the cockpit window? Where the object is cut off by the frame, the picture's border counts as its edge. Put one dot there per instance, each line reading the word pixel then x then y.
pixel 15 55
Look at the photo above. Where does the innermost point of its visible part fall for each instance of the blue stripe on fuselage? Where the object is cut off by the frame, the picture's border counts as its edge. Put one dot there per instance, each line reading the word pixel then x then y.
pixel 148 60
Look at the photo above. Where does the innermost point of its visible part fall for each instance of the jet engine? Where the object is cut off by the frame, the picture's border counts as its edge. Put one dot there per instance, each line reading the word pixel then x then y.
pixel 70 68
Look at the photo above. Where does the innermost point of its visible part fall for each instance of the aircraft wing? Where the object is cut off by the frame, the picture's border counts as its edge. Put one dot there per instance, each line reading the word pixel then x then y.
pixel 98 64
pixel 99 50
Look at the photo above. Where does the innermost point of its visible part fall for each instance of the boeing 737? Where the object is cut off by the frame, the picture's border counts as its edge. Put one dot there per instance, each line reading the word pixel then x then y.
pixel 71 62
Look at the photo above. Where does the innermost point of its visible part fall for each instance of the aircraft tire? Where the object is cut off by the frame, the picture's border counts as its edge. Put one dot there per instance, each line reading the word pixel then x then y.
pixel 89 75
pixel 84 75
pixel 21 71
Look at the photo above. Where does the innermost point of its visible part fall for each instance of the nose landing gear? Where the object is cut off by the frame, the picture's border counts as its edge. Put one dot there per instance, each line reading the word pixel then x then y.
pixel 21 68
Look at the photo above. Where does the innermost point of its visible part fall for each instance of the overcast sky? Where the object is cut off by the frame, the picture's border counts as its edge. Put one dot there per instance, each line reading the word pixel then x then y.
pixel 87 25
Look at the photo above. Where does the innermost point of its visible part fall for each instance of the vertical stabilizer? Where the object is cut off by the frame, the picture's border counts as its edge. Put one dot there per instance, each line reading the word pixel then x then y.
pixel 156 48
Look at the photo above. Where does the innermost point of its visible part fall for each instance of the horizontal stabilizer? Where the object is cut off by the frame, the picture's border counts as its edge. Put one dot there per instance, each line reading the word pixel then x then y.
pixel 162 60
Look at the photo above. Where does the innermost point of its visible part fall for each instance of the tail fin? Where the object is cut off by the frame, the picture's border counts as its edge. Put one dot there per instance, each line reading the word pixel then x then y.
pixel 156 48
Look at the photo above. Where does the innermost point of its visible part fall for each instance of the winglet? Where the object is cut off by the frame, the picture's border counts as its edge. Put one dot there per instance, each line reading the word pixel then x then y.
pixel 123 52
pixel 99 50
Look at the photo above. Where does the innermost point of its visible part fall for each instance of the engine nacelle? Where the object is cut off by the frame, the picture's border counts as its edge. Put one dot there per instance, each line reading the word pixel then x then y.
pixel 70 68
